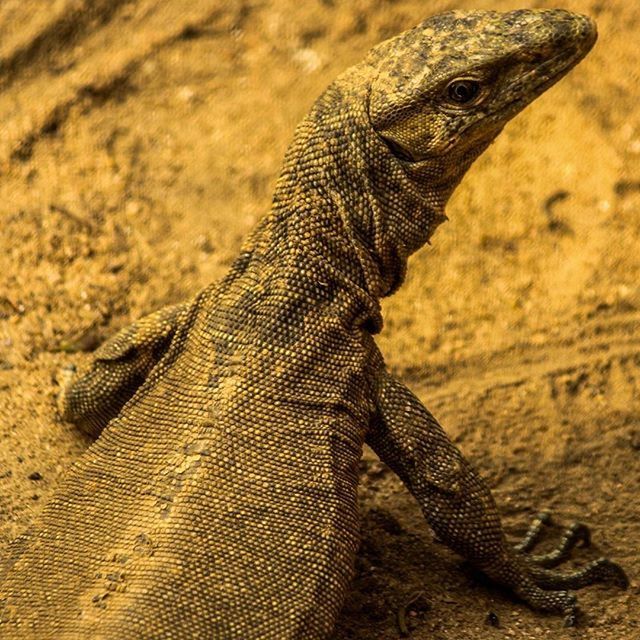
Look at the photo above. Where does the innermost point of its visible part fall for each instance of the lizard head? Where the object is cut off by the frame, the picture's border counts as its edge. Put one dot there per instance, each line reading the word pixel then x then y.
pixel 442 91
pixel 386 144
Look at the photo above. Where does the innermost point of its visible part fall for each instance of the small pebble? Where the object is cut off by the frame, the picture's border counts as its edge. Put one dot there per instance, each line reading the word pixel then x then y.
pixel 492 619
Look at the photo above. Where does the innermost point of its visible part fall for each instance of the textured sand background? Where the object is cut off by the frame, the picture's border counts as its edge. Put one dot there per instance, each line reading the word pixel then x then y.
pixel 139 143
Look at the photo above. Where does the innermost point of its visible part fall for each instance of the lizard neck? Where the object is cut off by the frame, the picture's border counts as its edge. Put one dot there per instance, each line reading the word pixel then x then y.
pixel 344 196
pixel 347 207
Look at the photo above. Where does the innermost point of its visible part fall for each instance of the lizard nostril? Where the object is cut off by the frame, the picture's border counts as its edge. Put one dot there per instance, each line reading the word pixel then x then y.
pixel 534 57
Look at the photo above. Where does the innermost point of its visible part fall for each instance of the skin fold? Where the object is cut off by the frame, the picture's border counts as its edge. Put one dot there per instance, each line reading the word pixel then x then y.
pixel 219 498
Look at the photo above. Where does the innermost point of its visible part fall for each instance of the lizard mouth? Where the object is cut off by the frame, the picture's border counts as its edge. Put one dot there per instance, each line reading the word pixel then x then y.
pixel 546 79
pixel 549 72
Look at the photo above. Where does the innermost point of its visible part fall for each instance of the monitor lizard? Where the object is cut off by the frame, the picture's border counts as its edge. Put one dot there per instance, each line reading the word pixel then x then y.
pixel 219 500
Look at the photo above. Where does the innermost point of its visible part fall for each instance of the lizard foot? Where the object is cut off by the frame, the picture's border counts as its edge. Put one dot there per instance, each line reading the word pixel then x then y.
pixel 545 588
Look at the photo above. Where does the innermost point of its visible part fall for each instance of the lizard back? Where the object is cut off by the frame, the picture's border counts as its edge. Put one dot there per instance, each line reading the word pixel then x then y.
pixel 224 493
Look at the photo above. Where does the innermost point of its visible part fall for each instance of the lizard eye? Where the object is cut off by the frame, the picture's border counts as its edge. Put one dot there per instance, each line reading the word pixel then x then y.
pixel 463 92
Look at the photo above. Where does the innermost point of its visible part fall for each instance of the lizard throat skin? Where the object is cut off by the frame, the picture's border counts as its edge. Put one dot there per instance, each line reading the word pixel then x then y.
pixel 219 499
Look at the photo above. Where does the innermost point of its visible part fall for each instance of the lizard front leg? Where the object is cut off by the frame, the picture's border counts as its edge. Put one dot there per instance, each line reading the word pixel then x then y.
pixel 460 508
pixel 96 393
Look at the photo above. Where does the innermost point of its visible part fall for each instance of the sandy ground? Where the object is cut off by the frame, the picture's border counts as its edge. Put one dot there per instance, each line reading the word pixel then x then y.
pixel 140 141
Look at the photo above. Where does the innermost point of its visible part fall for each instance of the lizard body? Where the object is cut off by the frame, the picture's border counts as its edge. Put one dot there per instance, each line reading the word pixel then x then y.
pixel 219 500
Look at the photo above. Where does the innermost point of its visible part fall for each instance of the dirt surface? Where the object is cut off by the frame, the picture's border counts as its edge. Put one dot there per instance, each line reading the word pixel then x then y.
pixel 140 141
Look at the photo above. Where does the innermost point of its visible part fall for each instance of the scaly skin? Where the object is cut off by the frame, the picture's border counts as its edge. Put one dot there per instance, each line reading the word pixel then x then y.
pixel 220 500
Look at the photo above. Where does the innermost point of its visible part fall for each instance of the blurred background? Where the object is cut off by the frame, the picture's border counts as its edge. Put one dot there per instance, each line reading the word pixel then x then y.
pixel 140 141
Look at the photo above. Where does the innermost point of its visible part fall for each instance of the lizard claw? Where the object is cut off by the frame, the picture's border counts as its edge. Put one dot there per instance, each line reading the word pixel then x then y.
pixel 64 376
pixel 547 589
pixel 577 534
pixel 601 570
pixel 611 572
pixel 534 533
pixel 571 613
